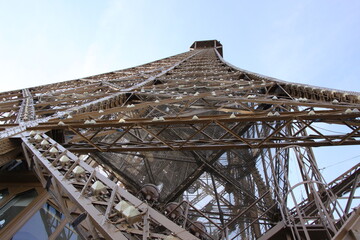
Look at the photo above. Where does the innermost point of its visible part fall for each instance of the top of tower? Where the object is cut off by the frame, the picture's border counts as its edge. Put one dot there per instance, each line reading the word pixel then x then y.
pixel 207 44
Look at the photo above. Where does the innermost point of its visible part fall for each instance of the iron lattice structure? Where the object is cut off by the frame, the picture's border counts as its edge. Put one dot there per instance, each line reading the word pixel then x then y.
pixel 199 148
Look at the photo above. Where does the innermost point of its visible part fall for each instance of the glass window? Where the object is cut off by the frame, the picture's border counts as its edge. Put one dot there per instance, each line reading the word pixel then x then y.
pixel 43 224
pixel 11 209
pixel 3 194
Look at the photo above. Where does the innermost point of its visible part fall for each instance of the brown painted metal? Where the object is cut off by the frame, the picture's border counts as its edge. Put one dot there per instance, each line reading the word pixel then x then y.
pixel 68 185
pixel 185 123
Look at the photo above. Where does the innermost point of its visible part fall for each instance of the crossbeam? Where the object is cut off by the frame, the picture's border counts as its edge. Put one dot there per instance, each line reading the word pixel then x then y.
pixel 70 185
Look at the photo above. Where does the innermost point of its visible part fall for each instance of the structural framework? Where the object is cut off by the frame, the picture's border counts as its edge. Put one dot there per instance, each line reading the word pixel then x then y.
pixel 186 147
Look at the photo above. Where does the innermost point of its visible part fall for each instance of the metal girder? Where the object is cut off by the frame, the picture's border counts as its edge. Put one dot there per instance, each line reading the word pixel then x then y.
pixel 82 105
pixel 177 120
pixel 229 140
pixel 27 110
pixel 79 192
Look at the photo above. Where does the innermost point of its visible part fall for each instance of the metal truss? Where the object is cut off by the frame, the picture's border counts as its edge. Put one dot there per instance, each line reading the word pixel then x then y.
pixel 204 150
pixel 155 135
pixel 68 177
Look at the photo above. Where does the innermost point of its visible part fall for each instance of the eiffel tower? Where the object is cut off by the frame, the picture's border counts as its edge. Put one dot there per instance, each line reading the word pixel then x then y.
pixel 186 147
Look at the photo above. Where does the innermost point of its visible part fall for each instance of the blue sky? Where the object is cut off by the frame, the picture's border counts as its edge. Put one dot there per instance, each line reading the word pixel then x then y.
pixel 313 42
